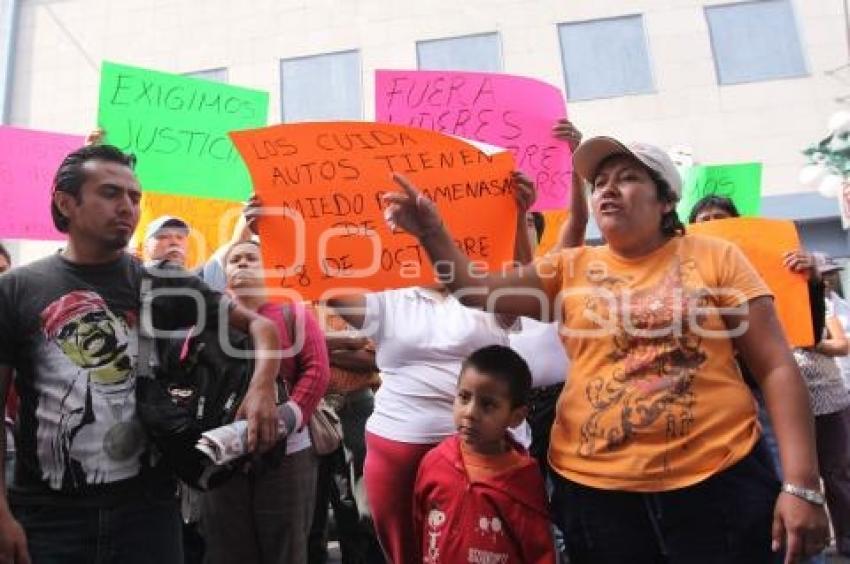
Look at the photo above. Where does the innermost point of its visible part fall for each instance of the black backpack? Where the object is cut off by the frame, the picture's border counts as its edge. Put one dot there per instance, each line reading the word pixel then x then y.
pixel 193 387
pixel 196 387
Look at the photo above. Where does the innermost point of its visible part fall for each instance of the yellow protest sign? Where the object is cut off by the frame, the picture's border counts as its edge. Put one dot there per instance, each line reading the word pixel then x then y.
pixel 553 222
pixel 211 221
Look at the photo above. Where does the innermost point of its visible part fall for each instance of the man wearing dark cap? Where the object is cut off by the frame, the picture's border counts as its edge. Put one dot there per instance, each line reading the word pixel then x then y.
pixel 87 487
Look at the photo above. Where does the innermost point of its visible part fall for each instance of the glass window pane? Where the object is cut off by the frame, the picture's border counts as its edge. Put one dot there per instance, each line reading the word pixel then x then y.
pixel 480 53
pixel 216 75
pixel 321 87
pixel 605 58
pixel 755 41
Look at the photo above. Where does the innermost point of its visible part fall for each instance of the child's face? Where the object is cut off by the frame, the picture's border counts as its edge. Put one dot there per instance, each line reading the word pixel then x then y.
pixel 483 412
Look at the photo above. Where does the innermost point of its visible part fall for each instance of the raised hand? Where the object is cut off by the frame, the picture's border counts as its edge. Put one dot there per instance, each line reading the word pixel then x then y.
pixel 252 212
pixel 564 130
pixel 525 193
pixel 95 137
pixel 411 211
pixel 799 261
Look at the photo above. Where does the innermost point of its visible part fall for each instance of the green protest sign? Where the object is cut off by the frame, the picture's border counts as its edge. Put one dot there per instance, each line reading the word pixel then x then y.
pixel 739 182
pixel 177 127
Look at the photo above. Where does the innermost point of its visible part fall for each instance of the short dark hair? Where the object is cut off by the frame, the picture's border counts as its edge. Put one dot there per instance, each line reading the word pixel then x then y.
pixel 504 364
pixel 4 252
pixel 70 176
pixel 539 224
pixel 714 201
pixel 233 246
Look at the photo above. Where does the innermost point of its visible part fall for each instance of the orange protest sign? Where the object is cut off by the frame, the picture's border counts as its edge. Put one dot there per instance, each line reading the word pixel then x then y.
pixel 554 220
pixel 321 185
pixel 211 221
pixel 764 241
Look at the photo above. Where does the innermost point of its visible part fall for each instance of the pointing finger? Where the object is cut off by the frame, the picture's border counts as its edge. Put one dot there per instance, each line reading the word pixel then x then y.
pixel 405 184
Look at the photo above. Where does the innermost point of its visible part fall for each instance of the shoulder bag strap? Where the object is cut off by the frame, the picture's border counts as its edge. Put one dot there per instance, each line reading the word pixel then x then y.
pixel 145 328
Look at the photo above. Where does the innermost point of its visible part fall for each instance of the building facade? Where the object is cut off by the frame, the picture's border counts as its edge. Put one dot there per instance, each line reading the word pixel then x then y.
pixel 731 81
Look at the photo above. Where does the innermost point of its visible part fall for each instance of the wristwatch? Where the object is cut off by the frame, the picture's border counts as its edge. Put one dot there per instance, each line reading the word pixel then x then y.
pixel 812 496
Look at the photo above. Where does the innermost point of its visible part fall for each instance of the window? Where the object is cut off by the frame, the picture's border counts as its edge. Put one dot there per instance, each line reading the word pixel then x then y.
pixel 215 75
pixel 321 87
pixel 755 41
pixel 605 58
pixel 481 53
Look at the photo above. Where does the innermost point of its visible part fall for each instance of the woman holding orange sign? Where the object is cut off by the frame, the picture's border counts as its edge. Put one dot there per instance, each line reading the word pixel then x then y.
pixel 653 444
pixel 829 398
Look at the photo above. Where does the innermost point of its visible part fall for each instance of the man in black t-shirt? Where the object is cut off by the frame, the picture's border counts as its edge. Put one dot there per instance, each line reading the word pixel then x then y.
pixel 85 489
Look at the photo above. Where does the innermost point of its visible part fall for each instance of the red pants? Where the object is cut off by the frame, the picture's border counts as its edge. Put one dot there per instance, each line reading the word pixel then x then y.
pixel 389 475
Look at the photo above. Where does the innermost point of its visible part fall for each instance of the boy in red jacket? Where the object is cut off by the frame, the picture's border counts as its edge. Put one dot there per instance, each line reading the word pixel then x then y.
pixel 479 497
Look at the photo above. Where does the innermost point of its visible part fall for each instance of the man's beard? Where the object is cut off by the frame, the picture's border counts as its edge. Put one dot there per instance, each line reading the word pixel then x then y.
pixel 117 243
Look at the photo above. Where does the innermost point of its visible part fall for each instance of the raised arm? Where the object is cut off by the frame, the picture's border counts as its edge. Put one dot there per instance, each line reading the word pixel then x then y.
pixel 243 230
pixel 525 195
pixel 574 228
pixel 517 292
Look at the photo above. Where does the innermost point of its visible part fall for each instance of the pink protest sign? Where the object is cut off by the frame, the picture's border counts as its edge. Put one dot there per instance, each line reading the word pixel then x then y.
pixel 28 161
pixel 513 112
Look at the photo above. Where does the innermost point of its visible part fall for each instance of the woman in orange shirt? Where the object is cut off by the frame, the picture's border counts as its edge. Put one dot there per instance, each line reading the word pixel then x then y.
pixel 654 444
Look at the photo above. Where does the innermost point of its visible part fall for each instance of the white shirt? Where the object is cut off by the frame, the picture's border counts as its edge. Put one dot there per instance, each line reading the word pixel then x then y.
pixel 840 309
pixel 421 339
pixel 541 347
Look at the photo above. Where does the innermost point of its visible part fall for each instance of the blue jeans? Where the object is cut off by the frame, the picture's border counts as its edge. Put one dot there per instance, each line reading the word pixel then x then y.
pixel 144 530
pixel 724 519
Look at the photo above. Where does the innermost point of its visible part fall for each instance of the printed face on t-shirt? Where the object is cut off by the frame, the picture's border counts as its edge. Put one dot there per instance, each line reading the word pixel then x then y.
pixel 97 340
pixel 86 358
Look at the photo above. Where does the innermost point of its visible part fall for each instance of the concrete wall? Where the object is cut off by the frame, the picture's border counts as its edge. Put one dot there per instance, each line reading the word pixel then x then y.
pixel 62 42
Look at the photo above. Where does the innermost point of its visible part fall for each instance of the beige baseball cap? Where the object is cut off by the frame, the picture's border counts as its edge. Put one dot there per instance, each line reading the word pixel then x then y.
pixel 590 154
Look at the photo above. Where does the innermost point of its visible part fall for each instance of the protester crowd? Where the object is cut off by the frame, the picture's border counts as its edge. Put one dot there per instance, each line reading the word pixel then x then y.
pixel 628 402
